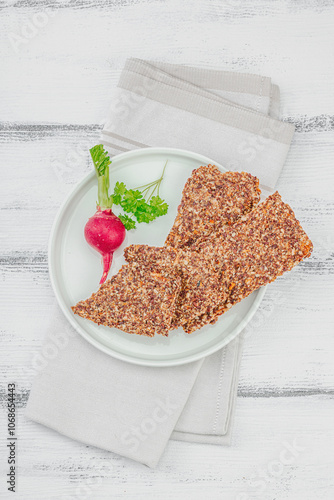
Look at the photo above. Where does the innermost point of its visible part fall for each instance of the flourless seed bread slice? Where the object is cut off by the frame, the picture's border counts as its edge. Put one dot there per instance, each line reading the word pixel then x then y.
pixel 200 284
pixel 137 300
pixel 211 199
pixel 253 252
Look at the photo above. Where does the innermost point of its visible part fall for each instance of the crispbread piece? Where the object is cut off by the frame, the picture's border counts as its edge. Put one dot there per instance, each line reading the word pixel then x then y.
pixel 136 300
pixel 152 257
pixel 253 252
pixel 211 199
pixel 200 290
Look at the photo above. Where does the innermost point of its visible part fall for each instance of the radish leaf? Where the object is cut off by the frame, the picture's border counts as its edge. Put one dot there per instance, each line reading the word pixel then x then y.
pixel 100 159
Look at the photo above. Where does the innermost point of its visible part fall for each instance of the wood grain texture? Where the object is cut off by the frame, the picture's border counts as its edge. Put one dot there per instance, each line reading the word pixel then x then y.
pixel 54 98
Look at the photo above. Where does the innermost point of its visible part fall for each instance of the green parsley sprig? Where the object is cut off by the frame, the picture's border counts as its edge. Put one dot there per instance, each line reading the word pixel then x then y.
pixel 143 202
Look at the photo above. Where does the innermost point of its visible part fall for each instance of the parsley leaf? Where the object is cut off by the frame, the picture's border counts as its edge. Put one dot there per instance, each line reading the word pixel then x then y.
pixel 128 223
pixel 144 213
pixel 159 206
pixel 119 190
pixel 132 200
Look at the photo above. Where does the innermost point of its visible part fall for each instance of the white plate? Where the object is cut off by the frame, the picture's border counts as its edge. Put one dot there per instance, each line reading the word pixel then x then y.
pixel 75 268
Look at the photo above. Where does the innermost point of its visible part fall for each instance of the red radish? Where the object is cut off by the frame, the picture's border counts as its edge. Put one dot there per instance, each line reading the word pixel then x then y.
pixel 105 232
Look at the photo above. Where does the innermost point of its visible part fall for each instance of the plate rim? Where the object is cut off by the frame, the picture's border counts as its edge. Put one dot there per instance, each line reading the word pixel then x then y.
pixel 69 316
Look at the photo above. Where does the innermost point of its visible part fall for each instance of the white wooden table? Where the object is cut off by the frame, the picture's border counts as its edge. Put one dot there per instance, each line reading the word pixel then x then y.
pixel 59 60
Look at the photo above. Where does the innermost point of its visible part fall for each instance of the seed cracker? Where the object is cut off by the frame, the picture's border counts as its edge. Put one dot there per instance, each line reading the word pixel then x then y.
pixel 253 252
pixel 158 258
pixel 211 199
pixel 137 300
pixel 200 291
pixel 200 285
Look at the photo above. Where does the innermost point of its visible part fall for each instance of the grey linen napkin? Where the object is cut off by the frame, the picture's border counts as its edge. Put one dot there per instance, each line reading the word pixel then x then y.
pixel 134 410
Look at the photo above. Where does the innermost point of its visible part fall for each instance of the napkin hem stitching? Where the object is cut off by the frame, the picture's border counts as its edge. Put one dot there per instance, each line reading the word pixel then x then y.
pixel 222 369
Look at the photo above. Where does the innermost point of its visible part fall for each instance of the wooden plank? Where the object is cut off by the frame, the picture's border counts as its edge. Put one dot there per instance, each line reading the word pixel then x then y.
pixel 60 79
pixel 259 464
pixel 80 68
